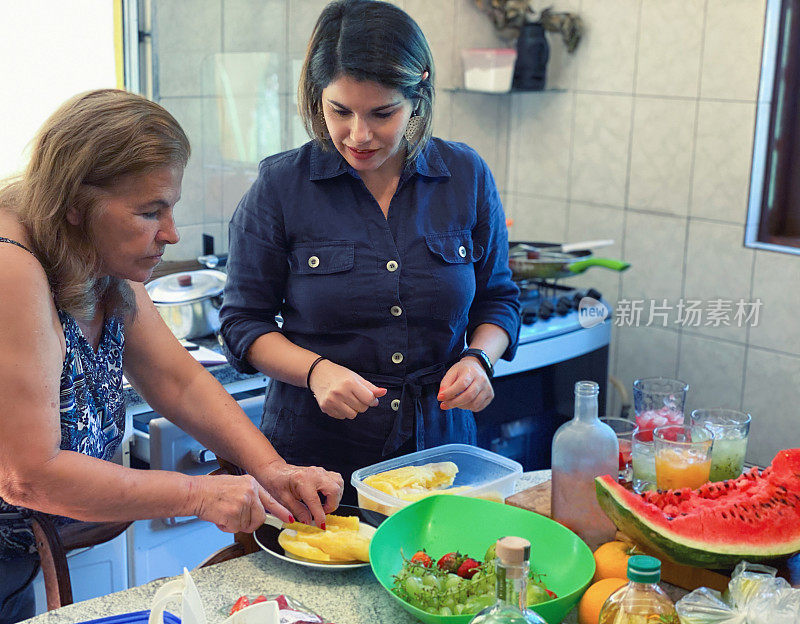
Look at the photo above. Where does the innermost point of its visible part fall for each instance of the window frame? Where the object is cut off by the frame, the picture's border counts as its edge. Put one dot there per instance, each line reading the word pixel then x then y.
pixel 772 104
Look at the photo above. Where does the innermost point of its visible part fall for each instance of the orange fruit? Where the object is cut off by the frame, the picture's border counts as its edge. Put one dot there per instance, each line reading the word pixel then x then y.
pixel 594 598
pixel 611 560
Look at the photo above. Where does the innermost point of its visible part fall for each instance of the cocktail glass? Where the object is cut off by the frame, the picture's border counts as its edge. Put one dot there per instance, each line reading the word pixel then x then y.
pixel 683 456
pixel 731 429
pixel 643 460
pixel 624 429
pixel 659 401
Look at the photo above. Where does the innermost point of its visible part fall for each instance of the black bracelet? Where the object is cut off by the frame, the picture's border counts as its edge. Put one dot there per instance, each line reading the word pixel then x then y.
pixel 482 357
pixel 311 370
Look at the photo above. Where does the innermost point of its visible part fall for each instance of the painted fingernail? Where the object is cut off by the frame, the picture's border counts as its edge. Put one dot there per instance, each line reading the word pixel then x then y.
pixel 322 526
pixel 291 518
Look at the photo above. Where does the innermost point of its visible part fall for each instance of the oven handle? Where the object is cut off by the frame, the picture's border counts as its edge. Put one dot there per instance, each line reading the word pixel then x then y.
pixel 179 520
pixel 203 456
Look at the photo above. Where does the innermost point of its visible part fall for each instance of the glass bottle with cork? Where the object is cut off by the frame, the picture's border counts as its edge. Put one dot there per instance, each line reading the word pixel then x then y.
pixel 641 600
pixel 511 570
pixel 583 448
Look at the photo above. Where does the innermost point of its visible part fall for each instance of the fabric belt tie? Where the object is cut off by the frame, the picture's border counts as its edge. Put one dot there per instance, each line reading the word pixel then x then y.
pixel 410 412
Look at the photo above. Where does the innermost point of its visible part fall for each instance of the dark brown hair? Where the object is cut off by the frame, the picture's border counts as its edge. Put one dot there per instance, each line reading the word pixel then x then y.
pixel 367 40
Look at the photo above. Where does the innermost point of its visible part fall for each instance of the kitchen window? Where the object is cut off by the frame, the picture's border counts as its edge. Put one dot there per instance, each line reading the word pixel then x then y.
pixel 773 220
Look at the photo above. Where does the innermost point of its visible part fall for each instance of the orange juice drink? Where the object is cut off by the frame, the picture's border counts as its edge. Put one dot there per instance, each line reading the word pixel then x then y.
pixel 680 468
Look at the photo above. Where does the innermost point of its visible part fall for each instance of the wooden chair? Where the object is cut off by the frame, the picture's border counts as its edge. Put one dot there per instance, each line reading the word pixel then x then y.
pixel 243 543
pixel 54 542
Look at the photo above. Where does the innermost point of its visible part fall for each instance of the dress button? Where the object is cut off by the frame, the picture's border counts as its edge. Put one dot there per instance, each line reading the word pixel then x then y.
pixel 313 262
pixel 462 251
pixel 396 310
pixel 391 265
pixel 397 358
pixel 395 404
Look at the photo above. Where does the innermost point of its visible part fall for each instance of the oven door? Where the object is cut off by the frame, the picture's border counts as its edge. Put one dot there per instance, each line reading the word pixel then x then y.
pixel 162 547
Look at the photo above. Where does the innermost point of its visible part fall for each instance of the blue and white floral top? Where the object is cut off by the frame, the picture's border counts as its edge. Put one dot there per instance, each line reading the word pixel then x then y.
pixel 91 405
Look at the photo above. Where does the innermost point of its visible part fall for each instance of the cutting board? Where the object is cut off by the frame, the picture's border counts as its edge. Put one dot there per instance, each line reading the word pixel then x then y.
pixel 537 499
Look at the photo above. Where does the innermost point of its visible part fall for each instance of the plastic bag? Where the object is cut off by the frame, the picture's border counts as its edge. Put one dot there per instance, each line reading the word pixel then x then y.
pixel 754 596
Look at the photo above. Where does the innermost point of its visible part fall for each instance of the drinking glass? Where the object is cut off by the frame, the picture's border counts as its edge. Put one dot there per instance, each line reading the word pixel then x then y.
pixel 643 460
pixel 683 456
pixel 624 429
pixel 659 401
pixel 731 429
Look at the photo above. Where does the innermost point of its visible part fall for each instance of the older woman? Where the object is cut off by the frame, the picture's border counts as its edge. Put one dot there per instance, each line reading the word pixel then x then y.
pixel 385 252
pixel 79 233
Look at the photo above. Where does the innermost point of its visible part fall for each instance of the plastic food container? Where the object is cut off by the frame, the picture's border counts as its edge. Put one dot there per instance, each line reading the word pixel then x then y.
pixel 489 70
pixel 485 474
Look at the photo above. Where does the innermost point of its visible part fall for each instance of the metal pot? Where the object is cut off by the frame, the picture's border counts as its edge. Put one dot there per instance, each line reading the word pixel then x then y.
pixel 535 261
pixel 189 302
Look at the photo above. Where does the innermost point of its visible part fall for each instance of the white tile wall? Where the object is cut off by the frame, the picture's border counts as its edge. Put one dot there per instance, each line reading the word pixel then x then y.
pixel 670 42
pixel 770 396
pixel 648 142
pixel 732 49
pixel 723 149
pixel 606 57
pixel 661 154
pixel 540 138
pixel 600 148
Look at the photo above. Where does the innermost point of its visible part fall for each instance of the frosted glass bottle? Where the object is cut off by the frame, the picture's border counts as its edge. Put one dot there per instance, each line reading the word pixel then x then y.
pixel 641 600
pixel 511 570
pixel 583 448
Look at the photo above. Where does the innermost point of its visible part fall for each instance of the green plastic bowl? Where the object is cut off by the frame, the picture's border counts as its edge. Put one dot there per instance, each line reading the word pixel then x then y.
pixel 441 524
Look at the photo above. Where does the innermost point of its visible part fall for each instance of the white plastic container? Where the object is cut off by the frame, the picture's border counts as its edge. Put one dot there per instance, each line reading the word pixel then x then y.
pixel 485 474
pixel 488 70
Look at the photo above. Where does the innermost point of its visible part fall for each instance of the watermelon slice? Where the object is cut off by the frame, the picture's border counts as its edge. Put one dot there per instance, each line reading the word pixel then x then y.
pixel 754 517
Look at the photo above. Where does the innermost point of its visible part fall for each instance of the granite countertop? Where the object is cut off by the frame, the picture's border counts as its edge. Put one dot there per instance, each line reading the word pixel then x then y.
pixel 344 597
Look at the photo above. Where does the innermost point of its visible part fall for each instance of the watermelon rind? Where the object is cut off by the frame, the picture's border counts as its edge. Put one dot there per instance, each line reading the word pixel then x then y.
pixel 617 503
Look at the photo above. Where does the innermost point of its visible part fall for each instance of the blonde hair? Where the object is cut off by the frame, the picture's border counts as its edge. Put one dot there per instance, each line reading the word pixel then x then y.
pixel 367 40
pixel 83 149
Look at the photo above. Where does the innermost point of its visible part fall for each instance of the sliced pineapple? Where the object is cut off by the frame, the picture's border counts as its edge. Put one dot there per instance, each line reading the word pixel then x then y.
pixel 414 482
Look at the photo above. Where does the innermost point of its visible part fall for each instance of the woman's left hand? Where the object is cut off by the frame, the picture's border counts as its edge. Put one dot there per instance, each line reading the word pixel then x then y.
pixel 466 385
pixel 298 488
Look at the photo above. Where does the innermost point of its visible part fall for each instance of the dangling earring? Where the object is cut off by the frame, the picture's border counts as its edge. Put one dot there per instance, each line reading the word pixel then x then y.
pixel 414 129
pixel 319 126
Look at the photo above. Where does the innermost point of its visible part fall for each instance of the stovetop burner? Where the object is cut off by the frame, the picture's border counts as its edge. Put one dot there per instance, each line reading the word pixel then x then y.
pixel 549 308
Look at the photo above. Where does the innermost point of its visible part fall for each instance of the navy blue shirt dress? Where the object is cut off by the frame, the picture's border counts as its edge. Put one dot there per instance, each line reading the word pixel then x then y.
pixel 394 299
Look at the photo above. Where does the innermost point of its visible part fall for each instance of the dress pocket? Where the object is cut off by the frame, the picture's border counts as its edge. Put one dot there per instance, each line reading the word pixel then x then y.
pixel 320 283
pixel 452 255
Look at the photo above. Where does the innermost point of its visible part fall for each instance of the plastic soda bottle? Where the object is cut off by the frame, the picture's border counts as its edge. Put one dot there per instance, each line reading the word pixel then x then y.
pixel 641 601
pixel 511 570
pixel 583 448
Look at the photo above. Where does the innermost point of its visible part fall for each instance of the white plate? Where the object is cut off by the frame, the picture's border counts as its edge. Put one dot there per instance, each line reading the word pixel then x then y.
pixel 266 537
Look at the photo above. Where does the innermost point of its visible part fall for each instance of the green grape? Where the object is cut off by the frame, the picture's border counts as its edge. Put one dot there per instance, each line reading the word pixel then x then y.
pixel 458 609
pixel 535 594
pixel 476 603
pixel 430 580
pixel 413 586
pixel 452 581
pixel 445 611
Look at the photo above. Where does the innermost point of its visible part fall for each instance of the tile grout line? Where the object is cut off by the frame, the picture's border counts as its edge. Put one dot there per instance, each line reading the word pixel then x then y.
pixel 693 156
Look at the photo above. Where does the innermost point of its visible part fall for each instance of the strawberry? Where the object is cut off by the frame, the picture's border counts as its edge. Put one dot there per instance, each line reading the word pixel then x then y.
pixel 422 558
pixel 468 568
pixel 240 604
pixel 450 562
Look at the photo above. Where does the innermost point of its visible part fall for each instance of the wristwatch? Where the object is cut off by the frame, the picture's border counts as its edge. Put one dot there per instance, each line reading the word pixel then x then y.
pixel 481 356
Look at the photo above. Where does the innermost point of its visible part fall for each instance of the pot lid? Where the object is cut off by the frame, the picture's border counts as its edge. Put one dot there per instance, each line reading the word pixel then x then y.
pixel 186 287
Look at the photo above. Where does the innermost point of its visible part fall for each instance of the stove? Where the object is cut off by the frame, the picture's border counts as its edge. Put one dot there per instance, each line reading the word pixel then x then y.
pixel 563 339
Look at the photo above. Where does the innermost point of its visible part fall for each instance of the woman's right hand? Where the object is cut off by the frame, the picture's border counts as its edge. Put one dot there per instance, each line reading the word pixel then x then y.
pixel 340 392
pixel 235 503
